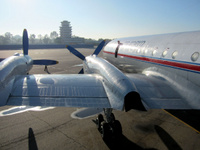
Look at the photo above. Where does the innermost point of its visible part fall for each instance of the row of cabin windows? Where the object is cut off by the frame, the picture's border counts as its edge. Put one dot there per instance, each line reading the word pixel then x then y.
pixel 194 56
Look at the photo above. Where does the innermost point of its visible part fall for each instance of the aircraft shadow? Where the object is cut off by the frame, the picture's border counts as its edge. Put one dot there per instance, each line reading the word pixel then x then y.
pixel 119 143
pixel 169 142
pixel 190 117
pixel 32 145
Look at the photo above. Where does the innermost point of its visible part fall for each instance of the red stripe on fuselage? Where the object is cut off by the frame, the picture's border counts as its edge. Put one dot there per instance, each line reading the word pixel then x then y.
pixel 162 62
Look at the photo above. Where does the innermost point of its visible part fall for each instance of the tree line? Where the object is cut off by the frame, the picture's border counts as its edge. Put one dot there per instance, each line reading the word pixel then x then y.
pixel 9 39
pixel 52 38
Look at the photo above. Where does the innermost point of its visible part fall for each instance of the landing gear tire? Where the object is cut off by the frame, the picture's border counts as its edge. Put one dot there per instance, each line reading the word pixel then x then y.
pixel 112 116
pixel 109 128
pixel 99 121
pixel 105 134
pixel 116 128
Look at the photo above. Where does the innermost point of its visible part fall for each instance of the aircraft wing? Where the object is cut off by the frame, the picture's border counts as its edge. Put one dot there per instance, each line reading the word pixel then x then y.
pixel 157 93
pixel 59 90
pixel 88 91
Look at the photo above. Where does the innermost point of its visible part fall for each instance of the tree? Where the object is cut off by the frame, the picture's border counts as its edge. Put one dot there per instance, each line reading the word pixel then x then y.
pixel 32 38
pixel 46 39
pixel 17 39
pixel 8 38
pixel 57 40
pixel 2 39
pixel 53 35
pixel 40 38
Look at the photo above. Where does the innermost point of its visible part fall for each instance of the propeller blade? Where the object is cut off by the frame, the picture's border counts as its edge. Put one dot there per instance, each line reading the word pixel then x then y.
pixel 75 52
pixel 25 42
pixel 81 71
pixel 99 48
pixel 1 59
pixel 45 62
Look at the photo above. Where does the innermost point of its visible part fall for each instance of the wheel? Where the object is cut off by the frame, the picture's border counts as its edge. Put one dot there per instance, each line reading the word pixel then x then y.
pixel 112 116
pixel 105 131
pixel 99 121
pixel 116 128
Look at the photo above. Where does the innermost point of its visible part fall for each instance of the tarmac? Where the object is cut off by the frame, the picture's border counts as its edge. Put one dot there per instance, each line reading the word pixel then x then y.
pixel 55 128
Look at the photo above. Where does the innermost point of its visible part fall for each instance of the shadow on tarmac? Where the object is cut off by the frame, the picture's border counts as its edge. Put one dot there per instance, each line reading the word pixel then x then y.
pixel 115 143
pixel 190 117
pixel 32 145
pixel 169 142
pixel 119 143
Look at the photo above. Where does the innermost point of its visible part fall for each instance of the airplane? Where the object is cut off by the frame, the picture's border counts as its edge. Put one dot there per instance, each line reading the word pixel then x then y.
pixel 167 67
pixel 163 74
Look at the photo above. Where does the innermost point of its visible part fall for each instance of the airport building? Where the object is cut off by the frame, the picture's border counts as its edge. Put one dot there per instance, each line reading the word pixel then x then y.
pixel 66 34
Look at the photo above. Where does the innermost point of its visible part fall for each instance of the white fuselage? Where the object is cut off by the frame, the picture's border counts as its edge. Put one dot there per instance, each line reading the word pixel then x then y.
pixel 174 57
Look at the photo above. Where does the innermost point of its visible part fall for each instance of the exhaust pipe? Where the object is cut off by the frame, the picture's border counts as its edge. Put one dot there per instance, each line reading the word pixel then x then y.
pixel 133 101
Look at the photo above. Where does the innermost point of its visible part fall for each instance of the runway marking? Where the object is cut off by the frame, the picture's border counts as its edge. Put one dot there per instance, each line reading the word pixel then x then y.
pixel 181 121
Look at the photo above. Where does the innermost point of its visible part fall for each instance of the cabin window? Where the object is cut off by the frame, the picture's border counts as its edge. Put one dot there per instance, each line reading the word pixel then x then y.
pixel 146 51
pixel 154 52
pixel 174 54
pixel 164 53
pixel 195 56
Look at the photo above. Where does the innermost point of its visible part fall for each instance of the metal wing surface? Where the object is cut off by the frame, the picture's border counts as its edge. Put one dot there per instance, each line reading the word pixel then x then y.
pixel 157 93
pixel 59 90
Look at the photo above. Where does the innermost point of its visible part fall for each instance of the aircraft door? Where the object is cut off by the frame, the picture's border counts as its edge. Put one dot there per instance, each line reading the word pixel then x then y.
pixel 117 48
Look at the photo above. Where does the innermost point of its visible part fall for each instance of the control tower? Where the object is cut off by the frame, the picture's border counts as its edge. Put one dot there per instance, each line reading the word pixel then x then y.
pixel 65 32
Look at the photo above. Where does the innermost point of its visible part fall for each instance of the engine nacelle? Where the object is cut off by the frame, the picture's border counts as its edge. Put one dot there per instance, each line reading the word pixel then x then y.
pixel 9 68
pixel 121 92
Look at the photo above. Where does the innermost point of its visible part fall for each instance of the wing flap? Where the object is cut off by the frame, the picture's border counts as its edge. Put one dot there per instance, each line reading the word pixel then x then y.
pixel 60 102
pixel 59 90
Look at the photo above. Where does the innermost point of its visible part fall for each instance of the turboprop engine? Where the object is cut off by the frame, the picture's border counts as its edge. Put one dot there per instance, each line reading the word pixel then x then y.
pixel 19 64
pixel 121 92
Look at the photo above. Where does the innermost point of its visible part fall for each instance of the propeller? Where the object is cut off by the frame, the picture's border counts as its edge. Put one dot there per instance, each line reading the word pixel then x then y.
pixel 75 52
pixel 25 42
pixel 99 48
pixel 36 62
pixel 81 56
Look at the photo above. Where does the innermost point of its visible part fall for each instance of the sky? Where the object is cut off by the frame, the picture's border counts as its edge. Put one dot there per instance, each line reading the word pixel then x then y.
pixel 107 19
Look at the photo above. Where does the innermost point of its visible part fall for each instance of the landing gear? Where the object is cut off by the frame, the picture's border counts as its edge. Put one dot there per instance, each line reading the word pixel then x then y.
pixel 105 131
pixel 99 121
pixel 110 128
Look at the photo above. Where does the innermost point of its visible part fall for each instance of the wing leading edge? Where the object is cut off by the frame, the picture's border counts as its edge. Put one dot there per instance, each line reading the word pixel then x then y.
pixel 59 90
